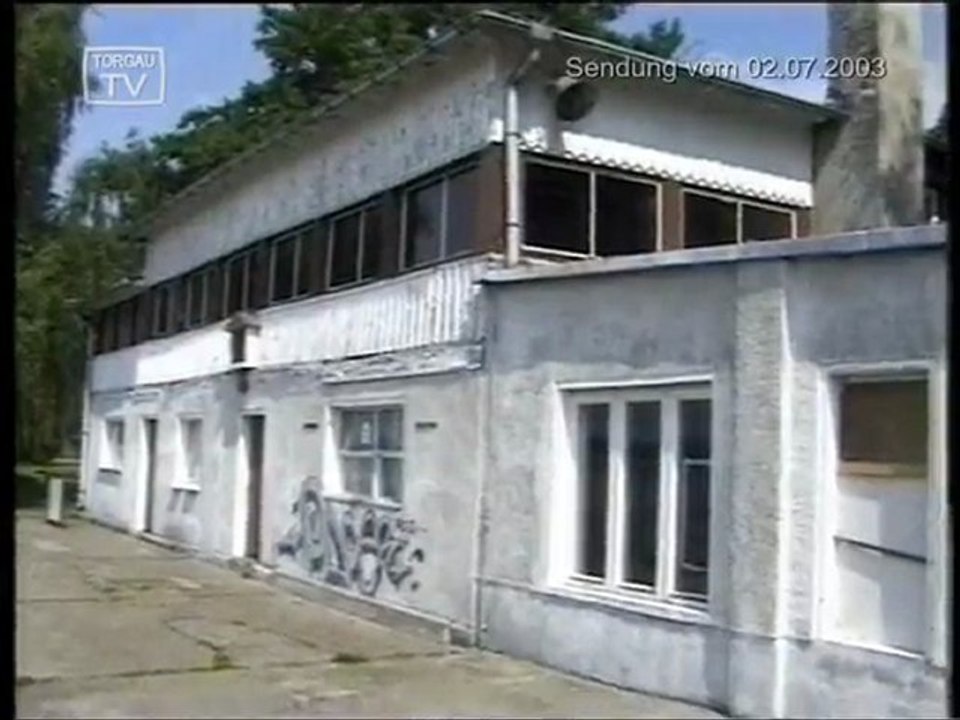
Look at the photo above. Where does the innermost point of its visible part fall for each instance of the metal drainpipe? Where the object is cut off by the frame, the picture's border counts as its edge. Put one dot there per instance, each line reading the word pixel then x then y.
pixel 511 145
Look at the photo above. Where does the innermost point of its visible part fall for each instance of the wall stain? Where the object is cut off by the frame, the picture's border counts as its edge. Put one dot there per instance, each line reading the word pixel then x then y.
pixel 351 545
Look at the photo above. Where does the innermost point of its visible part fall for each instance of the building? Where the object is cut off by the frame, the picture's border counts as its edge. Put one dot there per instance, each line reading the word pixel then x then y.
pixel 641 379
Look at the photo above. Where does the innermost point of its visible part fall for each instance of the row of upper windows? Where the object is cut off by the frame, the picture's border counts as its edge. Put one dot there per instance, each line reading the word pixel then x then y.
pixel 569 211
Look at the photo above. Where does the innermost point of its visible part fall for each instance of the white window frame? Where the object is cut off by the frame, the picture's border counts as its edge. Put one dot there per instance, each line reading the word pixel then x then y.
pixel 112 458
pixel 592 173
pixel 669 396
pixel 183 480
pixel 937 588
pixel 738 203
pixel 336 453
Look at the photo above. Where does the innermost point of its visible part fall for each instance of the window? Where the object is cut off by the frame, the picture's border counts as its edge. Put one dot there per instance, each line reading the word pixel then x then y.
pixel 124 324
pixel 214 293
pixel 880 531
pixel 192 437
pixel 258 277
pixel 643 467
pixel 181 307
pixel 715 220
pixel 196 299
pixel 284 268
pixel 357 246
pixel 109 329
pixel 310 268
pixel 557 208
pixel 237 269
pixel 440 218
pixel 589 213
pixel 144 319
pixel 112 457
pixel 371 452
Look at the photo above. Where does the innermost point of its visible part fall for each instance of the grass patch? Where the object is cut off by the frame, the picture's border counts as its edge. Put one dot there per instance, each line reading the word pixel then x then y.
pixel 346 658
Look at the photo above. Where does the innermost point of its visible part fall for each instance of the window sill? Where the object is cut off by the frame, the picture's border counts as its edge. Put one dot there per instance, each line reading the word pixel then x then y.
pixel 351 499
pixel 185 487
pixel 636 601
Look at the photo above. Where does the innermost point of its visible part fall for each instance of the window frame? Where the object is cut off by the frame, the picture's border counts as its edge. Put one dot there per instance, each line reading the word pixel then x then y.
pixel 663 592
pixel 293 236
pixel 376 496
pixel 592 172
pixel 936 588
pixel 242 257
pixel 738 202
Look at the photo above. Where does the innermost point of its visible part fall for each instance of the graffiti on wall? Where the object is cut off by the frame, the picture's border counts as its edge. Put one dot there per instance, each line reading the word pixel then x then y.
pixel 351 544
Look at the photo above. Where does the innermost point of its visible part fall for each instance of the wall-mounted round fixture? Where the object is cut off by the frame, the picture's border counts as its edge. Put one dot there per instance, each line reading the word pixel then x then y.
pixel 574 99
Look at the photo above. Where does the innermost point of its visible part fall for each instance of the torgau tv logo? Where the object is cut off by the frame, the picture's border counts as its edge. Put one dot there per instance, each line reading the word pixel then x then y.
pixel 124 76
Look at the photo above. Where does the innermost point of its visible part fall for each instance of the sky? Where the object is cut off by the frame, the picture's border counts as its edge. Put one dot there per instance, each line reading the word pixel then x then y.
pixel 209 56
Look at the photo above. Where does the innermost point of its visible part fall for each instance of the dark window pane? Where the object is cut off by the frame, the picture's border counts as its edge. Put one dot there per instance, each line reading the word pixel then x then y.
pixel 643 491
pixel 236 284
pixel 594 434
pixel 312 258
pixel 765 224
pixel 461 212
pixel 626 217
pixel 693 507
pixel 708 221
pixel 424 211
pixel 162 310
pixel 390 429
pixel 283 261
pixel 695 429
pixel 144 316
pixel 373 240
pixel 346 245
pixel 214 294
pixel 693 532
pixel 391 478
pixel 180 307
pixel 884 422
pixel 124 325
pixel 358 475
pixel 557 208
pixel 357 430
pixel 196 299
pixel 258 277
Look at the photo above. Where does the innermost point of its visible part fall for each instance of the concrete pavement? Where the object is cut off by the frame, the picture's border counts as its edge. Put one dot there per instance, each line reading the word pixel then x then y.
pixel 112 626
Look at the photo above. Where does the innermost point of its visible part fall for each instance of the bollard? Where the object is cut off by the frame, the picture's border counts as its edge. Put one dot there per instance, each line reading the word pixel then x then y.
pixel 55 501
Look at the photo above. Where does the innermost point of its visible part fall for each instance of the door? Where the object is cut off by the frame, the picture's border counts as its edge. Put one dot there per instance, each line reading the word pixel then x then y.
pixel 253 434
pixel 150 436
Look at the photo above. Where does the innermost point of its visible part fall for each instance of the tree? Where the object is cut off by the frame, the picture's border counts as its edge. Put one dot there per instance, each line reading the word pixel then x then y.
pixel 48 42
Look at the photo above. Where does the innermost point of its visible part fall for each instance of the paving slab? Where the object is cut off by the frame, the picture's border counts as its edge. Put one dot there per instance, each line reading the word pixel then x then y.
pixel 111 626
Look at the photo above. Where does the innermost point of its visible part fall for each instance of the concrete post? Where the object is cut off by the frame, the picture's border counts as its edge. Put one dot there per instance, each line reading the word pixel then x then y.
pixel 55 501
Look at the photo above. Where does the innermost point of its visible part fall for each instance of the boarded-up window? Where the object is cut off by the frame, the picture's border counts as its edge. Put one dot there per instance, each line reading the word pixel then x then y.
pixel 883 422
pixel 881 516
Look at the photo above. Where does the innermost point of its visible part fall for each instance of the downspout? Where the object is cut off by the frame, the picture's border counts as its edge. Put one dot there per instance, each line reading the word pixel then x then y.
pixel 511 145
